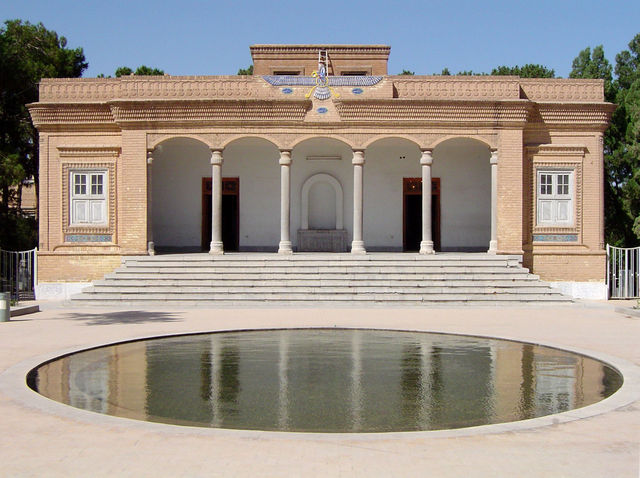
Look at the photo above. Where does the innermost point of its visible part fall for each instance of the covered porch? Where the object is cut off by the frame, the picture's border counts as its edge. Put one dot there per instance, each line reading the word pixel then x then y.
pixel 322 194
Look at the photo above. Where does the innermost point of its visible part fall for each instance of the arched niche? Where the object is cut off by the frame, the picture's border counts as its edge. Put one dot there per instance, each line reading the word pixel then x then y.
pixel 322 240
pixel 337 189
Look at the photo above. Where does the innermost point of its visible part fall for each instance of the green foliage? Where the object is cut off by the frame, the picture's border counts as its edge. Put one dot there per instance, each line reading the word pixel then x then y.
pixel 408 72
pixel 529 70
pixel 245 71
pixel 142 70
pixel 621 140
pixel 588 65
pixel 445 72
pixel 28 53
pixel 18 232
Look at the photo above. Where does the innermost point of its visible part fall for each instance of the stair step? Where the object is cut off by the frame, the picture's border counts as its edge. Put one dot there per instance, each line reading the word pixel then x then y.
pixel 322 278
pixel 364 289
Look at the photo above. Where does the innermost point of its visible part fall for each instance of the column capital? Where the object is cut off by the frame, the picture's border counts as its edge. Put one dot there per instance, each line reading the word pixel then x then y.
pixel 149 156
pixel 494 156
pixel 285 157
pixel 427 156
pixel 358 157
pixel 216 156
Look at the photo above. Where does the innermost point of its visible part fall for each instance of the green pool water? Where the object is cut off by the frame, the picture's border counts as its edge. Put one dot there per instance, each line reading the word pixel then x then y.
pixel 326 380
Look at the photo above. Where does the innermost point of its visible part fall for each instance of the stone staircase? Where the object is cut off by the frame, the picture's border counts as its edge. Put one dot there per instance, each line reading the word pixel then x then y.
pixel 319 278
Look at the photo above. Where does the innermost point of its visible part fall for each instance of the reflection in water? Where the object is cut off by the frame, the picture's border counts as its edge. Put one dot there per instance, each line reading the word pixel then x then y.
pixel 326 380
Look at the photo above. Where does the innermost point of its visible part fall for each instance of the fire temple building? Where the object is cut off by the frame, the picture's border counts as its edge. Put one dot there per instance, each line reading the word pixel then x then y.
pixel 321 150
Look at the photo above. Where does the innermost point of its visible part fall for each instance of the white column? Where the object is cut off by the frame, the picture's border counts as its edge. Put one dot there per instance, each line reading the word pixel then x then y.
pixel 285 202
pixel 150 246
pixel 493 244
pixel 426 245
pixel 357 245
pixel 216 202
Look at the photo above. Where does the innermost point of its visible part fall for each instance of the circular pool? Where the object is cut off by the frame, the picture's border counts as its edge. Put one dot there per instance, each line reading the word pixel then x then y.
pixel 326 380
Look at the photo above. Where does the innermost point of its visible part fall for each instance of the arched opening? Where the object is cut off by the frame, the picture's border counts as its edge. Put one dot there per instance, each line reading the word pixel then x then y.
pixel 462 165
pixel 250 195
pixel 392 195
pixel 178 166
pixel 322 195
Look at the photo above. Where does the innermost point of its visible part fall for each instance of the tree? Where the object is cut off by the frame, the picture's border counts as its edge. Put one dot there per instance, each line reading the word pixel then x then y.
pixel 588 65
pixel 621 140
pixel 28 53
pixel 142 70
pixel 408 72
pixel 246 71
pixel 529 70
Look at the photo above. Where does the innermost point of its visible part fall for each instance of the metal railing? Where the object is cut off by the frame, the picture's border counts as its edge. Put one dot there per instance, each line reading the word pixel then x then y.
pixel 18 273
pixel 623 272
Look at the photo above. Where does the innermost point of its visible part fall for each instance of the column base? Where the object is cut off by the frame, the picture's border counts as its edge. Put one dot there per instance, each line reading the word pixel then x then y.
pixel 357 247
pixel 426 247
pixel 216 248
pixel 493 247
pixel 151 249
pixel 285 247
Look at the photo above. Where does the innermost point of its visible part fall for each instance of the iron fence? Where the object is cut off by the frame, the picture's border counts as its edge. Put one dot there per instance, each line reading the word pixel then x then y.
pixel 18 273
pixel 623 272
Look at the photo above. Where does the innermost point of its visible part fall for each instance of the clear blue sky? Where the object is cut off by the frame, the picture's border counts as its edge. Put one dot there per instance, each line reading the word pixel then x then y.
pixel 192 37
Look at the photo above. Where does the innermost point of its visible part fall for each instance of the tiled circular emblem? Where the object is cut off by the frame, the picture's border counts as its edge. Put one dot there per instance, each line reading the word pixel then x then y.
pixel 287 91
pixel 322 110
pixel 357 91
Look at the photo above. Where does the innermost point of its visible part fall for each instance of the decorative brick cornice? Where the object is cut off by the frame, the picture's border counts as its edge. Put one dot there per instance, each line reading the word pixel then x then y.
pixel 457 87
pixel 45 114
pixel 84 151
pixel 440 112
pixel 576 114
pixel 557 150
pixel 556 89
pixel 209 112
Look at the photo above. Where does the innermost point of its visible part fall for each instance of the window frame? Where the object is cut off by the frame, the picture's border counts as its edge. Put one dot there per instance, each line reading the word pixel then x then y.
pixel 555 198
pixel 87 192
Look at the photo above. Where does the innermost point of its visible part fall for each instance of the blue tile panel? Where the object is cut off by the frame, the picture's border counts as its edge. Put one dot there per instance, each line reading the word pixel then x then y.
pixel 322 110
pixel 287 91
pixel 357 91
pixel 87 238
pixel 555 238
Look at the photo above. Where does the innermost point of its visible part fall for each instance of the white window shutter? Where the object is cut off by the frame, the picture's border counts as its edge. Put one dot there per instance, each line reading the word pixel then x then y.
pixel 80 211
pixel 97 211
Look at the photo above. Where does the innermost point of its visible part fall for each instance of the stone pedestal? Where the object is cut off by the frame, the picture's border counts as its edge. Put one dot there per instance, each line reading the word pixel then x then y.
pixel 322 240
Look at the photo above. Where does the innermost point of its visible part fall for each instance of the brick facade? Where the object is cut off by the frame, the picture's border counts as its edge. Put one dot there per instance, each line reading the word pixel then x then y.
pixel 114 123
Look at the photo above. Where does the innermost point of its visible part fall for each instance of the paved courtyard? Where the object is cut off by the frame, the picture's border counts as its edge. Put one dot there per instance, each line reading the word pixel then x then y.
pixel 42 438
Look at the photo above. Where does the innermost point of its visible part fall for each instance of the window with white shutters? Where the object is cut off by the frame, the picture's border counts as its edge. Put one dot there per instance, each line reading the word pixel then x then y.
pixel 88 197
pixel 555 198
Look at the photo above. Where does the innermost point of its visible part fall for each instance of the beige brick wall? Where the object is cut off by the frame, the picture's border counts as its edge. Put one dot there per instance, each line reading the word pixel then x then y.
pixel 75 267
pixel 132 193
pixel 565 266
pixel 510 194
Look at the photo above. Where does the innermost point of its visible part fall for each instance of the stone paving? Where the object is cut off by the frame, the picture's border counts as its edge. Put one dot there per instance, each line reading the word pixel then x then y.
pixel 42 438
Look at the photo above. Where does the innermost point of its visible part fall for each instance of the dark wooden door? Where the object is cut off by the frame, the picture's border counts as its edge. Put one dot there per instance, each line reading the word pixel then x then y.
pixel 230 213
pixel 412 213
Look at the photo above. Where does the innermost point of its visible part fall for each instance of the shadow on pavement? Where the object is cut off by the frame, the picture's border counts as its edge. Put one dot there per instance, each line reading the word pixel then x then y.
pixel 124 317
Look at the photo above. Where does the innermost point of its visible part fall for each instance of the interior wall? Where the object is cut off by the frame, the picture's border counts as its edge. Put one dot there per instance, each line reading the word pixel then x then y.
pixel 462 164
pixel 386 162
pixel 177 171
pixel 255 162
